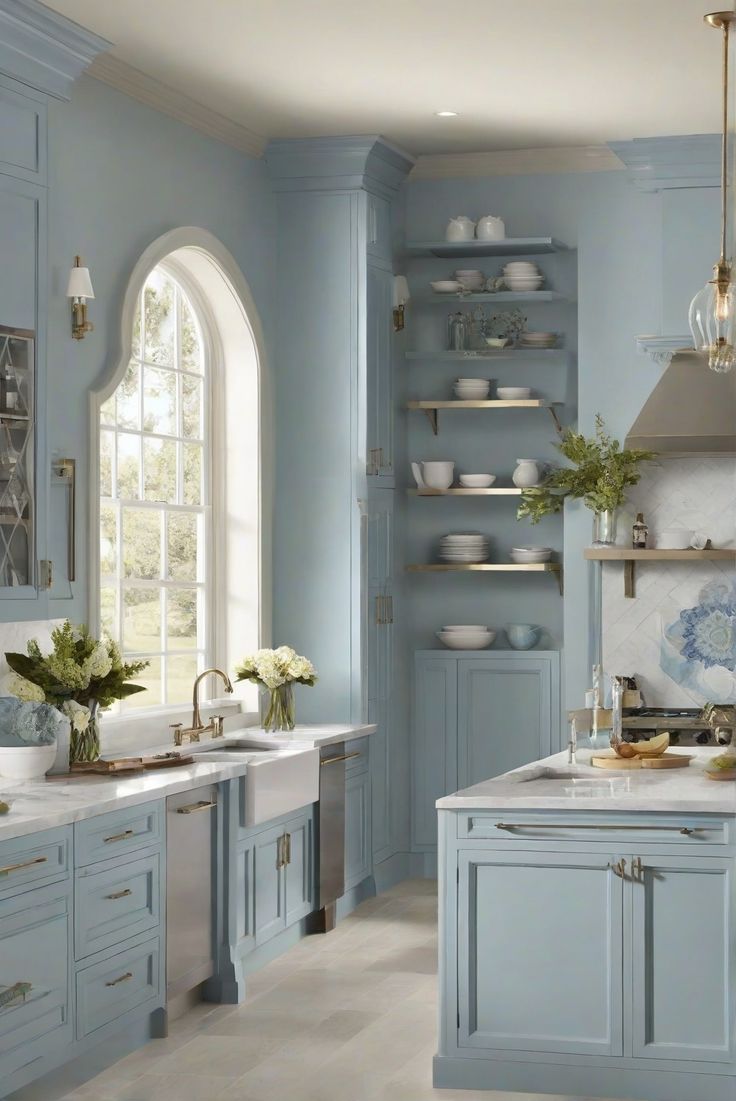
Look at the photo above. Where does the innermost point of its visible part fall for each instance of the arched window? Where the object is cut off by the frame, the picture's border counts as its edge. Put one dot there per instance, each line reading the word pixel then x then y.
pixel 155 510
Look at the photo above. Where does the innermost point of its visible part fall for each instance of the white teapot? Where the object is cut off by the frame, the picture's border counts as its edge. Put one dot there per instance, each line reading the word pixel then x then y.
pixel 490 228
pixel 460 229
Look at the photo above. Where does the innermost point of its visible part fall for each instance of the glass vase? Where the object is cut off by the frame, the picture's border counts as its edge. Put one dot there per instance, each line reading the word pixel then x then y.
pixel 604 528
pixel 281 713
pixel 84 745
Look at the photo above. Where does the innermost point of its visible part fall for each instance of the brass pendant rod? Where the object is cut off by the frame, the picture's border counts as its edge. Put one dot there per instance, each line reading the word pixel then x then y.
pixel 724 141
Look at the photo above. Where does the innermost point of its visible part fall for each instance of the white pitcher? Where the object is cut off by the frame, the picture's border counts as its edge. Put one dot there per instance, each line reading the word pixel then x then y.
pixel 460 229
pixel 527 474
pixel 490 228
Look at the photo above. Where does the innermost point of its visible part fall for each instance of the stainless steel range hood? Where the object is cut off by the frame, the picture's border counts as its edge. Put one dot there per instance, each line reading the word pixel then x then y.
pixel 691 411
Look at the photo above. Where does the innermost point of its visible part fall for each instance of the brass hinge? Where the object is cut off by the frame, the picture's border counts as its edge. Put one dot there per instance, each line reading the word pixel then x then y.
pixel 45 573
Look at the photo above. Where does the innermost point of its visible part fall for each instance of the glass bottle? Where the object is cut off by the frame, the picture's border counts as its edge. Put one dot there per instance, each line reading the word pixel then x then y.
pixel 639 533
pixel 458 332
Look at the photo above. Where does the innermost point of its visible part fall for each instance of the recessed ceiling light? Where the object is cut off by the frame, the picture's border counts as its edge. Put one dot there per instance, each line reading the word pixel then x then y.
pixel 446 114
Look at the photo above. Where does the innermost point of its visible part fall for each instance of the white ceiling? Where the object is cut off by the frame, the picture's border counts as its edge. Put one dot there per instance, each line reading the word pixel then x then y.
pixel 521 75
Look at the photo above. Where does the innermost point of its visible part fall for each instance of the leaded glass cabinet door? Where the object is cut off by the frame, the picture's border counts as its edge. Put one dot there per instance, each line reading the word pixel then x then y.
pixel 17 463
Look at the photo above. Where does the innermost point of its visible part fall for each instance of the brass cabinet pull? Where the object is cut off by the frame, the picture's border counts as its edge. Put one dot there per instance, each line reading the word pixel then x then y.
pixel 118 836
pixel 121 978
pixel 637 869
pixel 379 617
pixel 619 868
pixel 687 831
pixel 192 808
pixel 280 853
pixel 390 602
pixel 287 840
pixel 119 894
pixel 342 757
pixel 14 992
pixel 25 864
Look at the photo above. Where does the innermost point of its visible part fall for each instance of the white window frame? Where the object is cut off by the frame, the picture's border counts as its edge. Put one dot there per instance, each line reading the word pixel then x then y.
pixel 207 646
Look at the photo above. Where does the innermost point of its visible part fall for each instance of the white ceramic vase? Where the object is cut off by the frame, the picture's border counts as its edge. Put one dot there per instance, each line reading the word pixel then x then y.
pixel 527 474
pixel 460 229
pixel 490 228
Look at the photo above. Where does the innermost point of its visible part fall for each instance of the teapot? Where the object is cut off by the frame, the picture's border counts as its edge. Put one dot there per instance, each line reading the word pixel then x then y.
pixel 460 229
pixel 490 228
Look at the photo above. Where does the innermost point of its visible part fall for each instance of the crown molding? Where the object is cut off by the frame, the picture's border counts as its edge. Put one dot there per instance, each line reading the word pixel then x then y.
pixel 41 48
pixel 146 89
pixel 657 164
pixel 337 163
pixel 516 162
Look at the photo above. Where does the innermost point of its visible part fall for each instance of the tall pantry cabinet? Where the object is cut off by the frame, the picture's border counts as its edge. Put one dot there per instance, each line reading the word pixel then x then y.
pixel 333 527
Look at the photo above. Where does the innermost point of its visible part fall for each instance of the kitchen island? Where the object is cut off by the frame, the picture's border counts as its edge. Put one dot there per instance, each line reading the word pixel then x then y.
pixel 588 933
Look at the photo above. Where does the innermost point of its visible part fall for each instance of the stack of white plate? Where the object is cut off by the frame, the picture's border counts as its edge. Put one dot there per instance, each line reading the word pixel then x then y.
pixel 522 275
pixel 466 637
pixel 464 547
pixel 538 340
pixel 471 279
pixel 472 389
pixel 530 555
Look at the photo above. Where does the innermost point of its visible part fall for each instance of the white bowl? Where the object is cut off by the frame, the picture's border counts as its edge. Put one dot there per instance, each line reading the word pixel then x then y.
pixel 477 481
pixel 674 539
pixel 454 641
pixel 514 393
pixel 26 762
pixel 467 628
pixel 516 283
pixel 446 286
pixel 530 555
pixel 467 271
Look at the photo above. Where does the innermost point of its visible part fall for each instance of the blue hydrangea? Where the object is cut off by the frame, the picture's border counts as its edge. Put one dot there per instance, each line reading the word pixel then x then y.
pixel 23 724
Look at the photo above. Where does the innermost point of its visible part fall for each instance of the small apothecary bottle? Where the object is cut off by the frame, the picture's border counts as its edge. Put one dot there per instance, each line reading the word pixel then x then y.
pixel 639 533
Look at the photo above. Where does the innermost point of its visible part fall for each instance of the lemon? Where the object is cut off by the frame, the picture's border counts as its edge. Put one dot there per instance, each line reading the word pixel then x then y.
pixel 726 760
pixel 4 808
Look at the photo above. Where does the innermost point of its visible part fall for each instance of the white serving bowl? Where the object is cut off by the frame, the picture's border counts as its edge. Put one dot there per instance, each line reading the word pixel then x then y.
pixel 674 539
pixel 530 555
pixel 446 286
pixel 467 628
pixel 477 481
pixel 471 395
pixel 30 762
pixel 520 265
pixel 518 284
pixel 455 640
pixel 514 393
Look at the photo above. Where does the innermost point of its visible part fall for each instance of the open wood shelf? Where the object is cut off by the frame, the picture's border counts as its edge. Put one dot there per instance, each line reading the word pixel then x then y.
pixel 630 557
pixel 490 567
pixel 462 491
pixel 494 296
pixel 507 246
pixel 431 408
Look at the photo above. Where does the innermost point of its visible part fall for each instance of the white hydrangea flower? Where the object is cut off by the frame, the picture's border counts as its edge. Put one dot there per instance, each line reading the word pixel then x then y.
pixel 13 684
pixel 99 662
pixel 78 715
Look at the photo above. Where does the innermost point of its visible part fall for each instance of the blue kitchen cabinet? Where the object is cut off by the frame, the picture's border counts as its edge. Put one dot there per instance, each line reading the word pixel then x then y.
pixel 475 716
pixel 358 856
pixel 299 869
pixel 269 893
pixel 683 929
pixel 378 649
pixel 517 990
pixel 379 373
pixel 378 227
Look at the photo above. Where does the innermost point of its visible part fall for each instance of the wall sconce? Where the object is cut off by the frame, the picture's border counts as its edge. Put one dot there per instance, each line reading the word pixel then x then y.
pixel 79 290
pixel 401 297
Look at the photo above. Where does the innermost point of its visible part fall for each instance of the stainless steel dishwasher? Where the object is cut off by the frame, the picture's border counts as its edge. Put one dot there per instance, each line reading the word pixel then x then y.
pixel 191 831
pixel 331 834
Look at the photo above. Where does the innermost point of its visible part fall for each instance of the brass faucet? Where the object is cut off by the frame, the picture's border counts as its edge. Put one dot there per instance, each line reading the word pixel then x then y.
pixel 215 727
pixel 721 717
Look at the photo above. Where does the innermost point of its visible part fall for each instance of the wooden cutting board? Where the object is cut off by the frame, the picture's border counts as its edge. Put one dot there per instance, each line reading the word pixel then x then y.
pixel 615 763
pixel 129 764
pixel 721 774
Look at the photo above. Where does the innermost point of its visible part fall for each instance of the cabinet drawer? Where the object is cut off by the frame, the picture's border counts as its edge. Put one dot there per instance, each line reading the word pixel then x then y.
pixel 115 903
pixel 530 828
pixel 109 836
pixel 111 988
pixel 34 860
pixel 34 961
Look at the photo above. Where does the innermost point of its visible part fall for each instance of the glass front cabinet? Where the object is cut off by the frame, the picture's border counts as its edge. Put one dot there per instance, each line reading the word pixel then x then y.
pixel 18 565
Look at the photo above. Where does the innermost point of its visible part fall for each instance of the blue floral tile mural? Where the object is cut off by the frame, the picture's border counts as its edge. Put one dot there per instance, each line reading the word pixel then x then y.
pixel 699 649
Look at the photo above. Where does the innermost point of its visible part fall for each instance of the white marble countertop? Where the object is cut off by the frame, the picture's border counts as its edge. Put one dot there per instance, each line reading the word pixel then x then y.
pixel 60 800
pixel 677 790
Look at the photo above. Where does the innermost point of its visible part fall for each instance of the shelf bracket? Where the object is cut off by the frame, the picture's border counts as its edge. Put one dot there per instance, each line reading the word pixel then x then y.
pixel 556 419
pixel 630 578
pixel 433 417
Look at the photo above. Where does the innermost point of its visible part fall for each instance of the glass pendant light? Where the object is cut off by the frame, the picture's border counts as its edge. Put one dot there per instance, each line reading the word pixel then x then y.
pixel 713 310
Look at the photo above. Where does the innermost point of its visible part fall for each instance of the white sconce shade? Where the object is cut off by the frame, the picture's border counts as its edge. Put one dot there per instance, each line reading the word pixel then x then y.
pixel 401 291
pixel 80 284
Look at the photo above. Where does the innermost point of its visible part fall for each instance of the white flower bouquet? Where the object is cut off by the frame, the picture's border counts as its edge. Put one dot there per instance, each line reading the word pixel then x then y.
pixel 278 671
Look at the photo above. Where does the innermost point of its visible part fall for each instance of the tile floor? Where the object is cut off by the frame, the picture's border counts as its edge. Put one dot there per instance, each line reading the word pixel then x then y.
pixel 345 1017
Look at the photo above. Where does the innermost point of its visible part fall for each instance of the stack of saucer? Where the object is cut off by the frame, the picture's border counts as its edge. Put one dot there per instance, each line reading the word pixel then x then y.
pixel 464 547
pixel 538 340
pixel 522 275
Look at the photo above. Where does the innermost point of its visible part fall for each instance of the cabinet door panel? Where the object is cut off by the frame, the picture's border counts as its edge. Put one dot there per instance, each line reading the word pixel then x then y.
pixel 270 901
pixel 19 232
pixel 505 715
pixel 540 941
pixel 434 743
pixel 379 373
pixel 683 959
pixel 299 870
pixel 357 829
pixel 380 780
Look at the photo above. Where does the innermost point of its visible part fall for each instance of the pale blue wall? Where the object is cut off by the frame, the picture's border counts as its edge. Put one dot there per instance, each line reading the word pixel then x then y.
pixel 120 175
pixel 634 277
